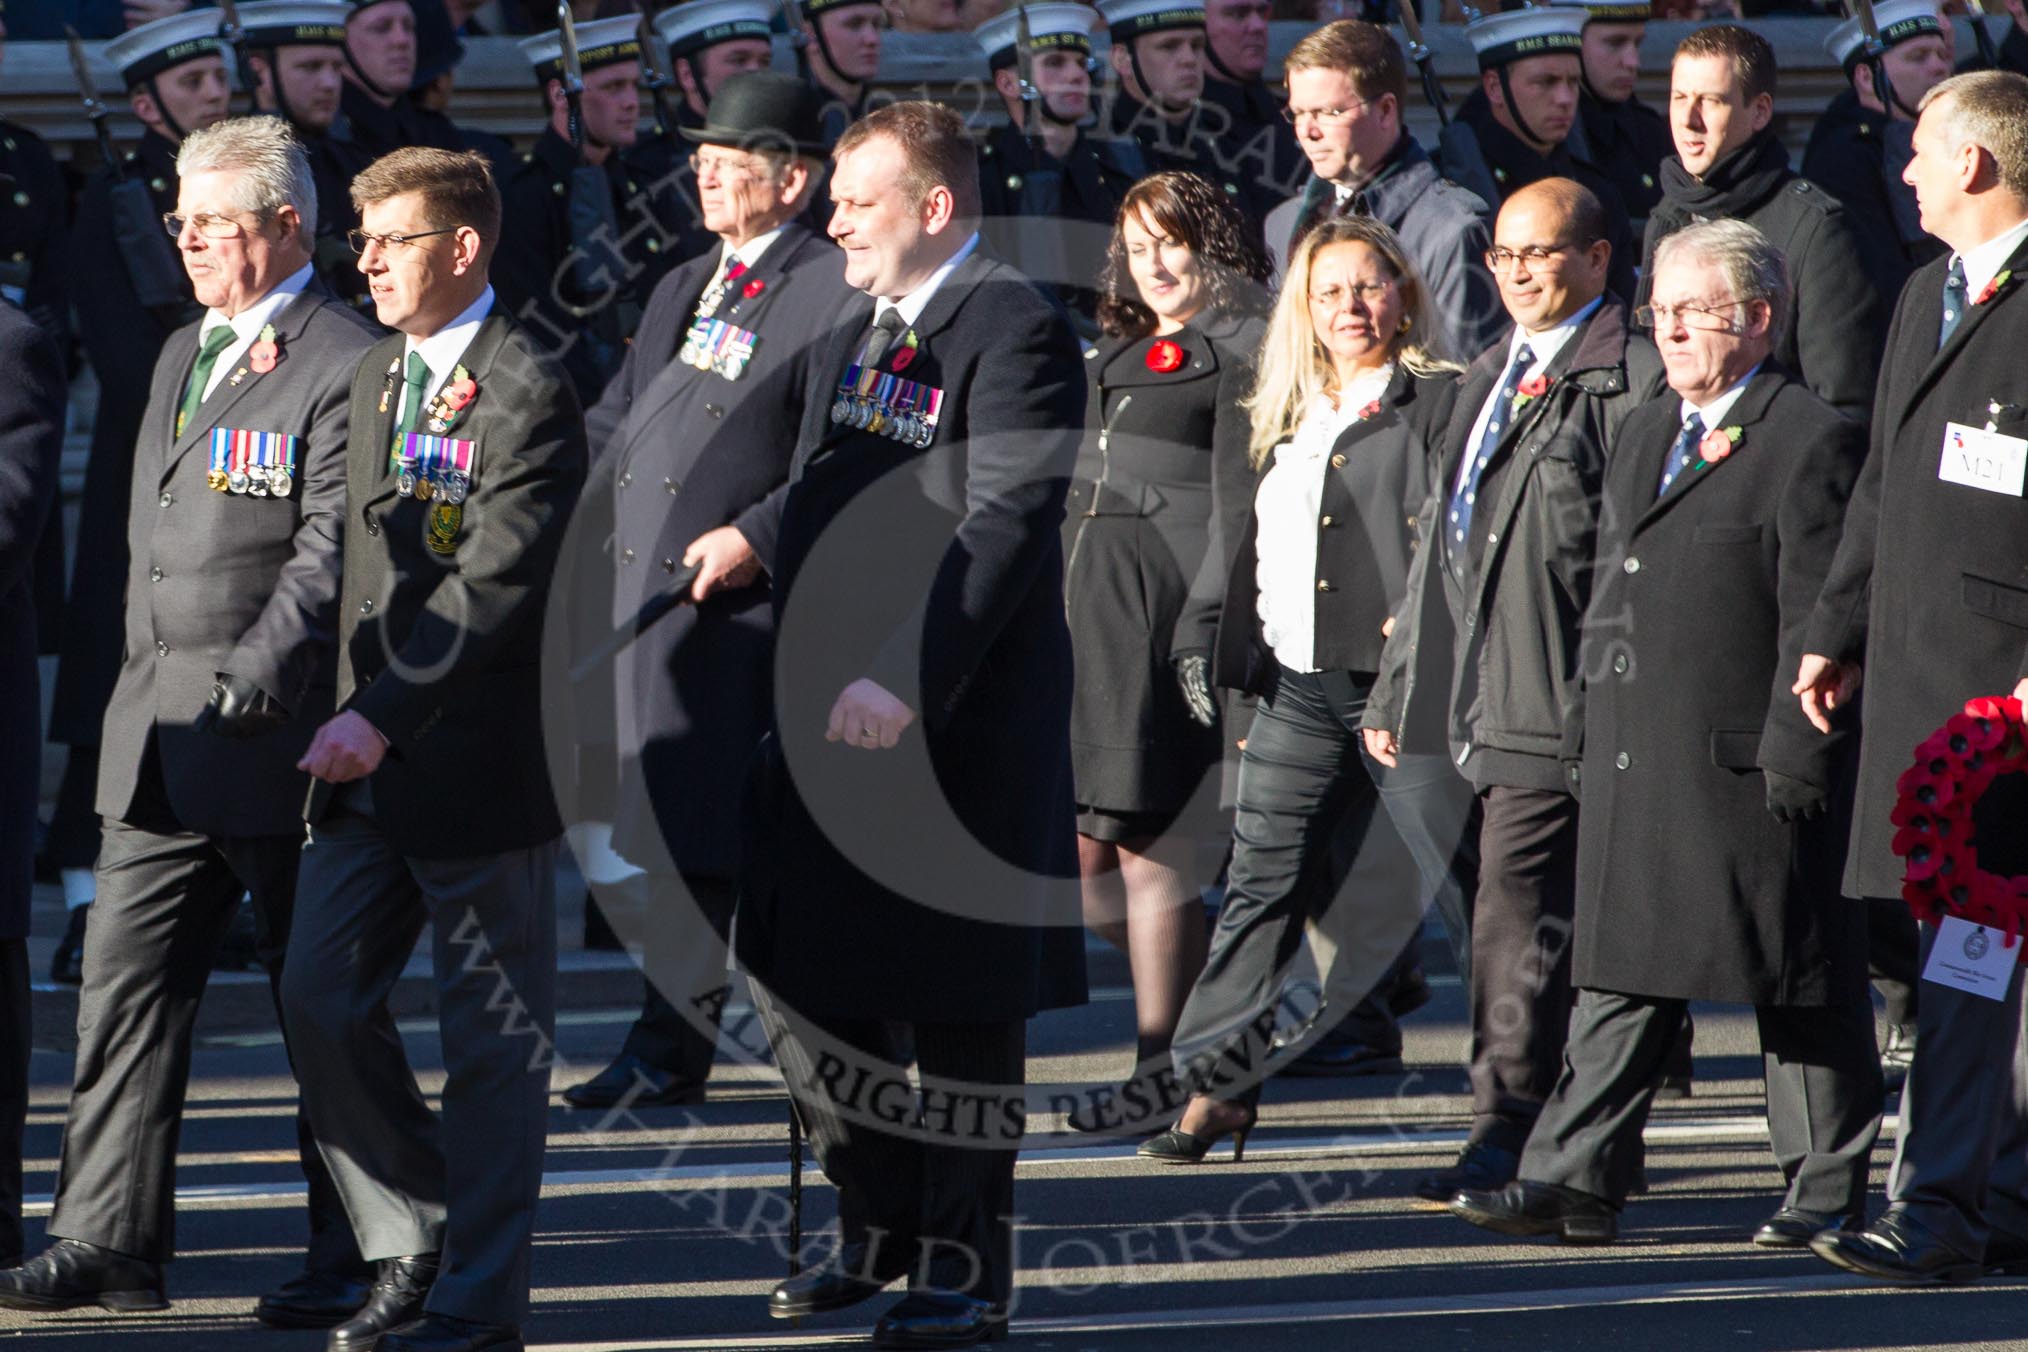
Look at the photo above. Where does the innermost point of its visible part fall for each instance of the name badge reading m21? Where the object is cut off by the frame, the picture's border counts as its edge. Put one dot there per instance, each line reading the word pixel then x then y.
pixel 1977 458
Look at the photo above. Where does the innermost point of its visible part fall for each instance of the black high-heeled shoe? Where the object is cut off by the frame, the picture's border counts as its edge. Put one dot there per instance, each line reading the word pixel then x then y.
pixel 1177 1146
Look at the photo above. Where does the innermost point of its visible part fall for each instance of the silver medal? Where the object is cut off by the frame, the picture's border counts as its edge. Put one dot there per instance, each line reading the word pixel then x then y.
pixel 280 483
pixel 237 481
pixel 456 487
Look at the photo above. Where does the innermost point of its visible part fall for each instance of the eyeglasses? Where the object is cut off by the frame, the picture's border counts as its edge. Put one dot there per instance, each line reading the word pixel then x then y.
pixel 1368 294
pixel 205 223
pixel 1500 258
pixel 1330 117
pixel 726 167
pixel 1702 318
pixel 361 239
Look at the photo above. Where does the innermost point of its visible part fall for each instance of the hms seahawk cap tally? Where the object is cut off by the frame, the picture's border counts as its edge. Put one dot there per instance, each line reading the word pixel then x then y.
pixel 294 23
pixel 601 42
pixel 1611 11
pixel 1130 19
pixel 1899 21
pixel 1538 30
pixel 162 44
pixel 1053 26
pixel 690 28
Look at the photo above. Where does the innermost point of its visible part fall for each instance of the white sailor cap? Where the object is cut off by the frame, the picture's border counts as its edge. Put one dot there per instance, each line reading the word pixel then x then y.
pixel 1538 30
pixel 145 52
pixel 600 42
pixel 1611 11
pixel 1053 25
pixel 294 23
pixel 1899 21
pixel 1130 19
pixel 690 28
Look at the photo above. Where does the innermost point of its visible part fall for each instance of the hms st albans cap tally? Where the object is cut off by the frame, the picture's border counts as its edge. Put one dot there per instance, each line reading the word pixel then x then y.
pixel 145 52
pixel 601 42
pixel 1899 21
pixel 1053 26
pixel 1516 34
pixel 691 27
pixel 294 23
pixel 1611 11
pixel 1130 19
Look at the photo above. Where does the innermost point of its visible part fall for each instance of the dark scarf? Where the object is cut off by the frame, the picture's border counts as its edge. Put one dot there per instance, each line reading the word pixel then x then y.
pixel 1736 187
pixel 1320 196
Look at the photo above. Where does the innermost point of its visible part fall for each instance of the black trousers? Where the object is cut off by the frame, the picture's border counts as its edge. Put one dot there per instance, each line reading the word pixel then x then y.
pixel 1308 814
pixel 1520 984
pixel 929 1183
pixel 1823 1097
pixel 1893 950
pixel 683 928
pixel 16 1046
pixel 164 899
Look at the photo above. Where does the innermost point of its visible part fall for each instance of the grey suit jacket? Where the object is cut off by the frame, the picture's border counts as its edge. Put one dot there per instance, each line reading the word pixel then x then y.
pixel 224 582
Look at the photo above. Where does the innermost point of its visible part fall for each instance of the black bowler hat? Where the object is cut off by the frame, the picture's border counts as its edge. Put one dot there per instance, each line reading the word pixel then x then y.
pixel 764 110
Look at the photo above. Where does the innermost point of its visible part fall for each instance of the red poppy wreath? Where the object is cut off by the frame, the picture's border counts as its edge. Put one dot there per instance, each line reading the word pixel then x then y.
pixel 1932 815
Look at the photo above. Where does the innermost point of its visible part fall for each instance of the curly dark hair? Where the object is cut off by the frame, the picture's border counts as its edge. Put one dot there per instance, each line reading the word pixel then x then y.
pixel 1197 215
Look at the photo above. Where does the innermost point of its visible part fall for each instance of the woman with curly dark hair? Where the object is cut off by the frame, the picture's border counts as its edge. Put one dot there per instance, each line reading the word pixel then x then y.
pixel 1182 302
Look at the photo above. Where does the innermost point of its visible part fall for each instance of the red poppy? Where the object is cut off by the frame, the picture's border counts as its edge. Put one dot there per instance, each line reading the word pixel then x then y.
pixel 753 288
pixel 263 356
pixel 1992 288
pixel 459 393
pixel 1372 410
pixel 1533 388
pixel 903 357
pixel 1164 357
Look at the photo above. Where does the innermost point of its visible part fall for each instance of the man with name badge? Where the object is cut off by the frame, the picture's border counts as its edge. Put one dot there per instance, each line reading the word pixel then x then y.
pixel 1929 591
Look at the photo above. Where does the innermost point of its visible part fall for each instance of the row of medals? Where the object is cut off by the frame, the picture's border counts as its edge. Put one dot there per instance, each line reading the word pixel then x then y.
pixel 870 415
pixel 731 365
pixel 256 481
pixel 453 486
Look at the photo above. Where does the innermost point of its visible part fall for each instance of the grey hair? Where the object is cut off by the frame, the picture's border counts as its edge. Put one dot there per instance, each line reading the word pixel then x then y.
pixel 271 166
pixel 1988 108
pixel 1754 268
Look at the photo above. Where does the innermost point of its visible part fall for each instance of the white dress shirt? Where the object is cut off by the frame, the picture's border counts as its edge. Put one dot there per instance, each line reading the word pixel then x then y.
pixel 248 323
pixel 748 253
pixel 1541 349
pixel 1286 508
pixel 443 350
pixel 1982 262
pixel 1713 413
pixel 915 302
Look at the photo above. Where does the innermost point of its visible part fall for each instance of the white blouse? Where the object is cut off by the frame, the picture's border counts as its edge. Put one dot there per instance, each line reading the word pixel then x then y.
pixel 1286 508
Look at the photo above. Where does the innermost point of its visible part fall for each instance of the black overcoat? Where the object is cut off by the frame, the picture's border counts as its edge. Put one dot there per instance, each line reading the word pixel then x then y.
pixel 441 651
pixel 679 452
pixel 1137 533
pixel 933 881
pixel 31 440
pixel 227 582
pixel 1687 886
pixel 1930 586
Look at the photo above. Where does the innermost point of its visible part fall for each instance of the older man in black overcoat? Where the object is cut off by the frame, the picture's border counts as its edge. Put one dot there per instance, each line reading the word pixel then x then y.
pixel 1711 835
pixel 692 438
pixel 1930 592
pixel 914 824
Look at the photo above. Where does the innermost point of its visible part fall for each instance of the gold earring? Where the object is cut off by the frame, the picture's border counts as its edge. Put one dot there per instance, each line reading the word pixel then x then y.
pixel 1407 322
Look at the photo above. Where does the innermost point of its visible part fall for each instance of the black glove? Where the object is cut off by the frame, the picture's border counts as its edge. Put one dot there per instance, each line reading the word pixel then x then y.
pixel 1193 674
pixel 238 708
pixel 1793 800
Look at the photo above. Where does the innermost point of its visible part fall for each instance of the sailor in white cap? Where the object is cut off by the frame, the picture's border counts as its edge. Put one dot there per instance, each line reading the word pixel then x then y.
pixel 1042 163
pixel 1615 131
pixel 710 41
pixel 174 69
pixel 578 251
pixel 380 73
pixel 1860 144
pixel 838 50
pixel 1531 68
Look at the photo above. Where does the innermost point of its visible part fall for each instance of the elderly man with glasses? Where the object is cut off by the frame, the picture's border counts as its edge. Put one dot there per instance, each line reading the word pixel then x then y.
pixel 1712 833
pixel 232 592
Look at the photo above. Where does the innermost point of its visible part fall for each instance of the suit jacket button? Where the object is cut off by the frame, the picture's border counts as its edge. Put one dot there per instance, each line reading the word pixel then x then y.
pixel 154 574
pixel 366 606
pixel 1411 523
pixel 1322 585
pixel 669 566
pixel 627 479
pixel 161 648
pixel 1324 520
pixel 1632 565
pixel 1620 664
pixel 1622 761
pixel 1337 462
pixel 670 484
pixel 167 498
pixel 372 526
pixel 626 556
pixel 714 410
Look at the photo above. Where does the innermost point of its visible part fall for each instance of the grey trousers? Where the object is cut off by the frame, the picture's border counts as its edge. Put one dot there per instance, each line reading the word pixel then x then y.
pixel 361 906
pixel 1823 1097
pixel 1961 1164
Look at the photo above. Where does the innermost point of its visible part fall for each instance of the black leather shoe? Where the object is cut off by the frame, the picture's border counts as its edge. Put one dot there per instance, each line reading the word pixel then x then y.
pixel 2006 1255
pixel 1896 1249
pixel 1411 992
pixel 66 964
pixel 631 1080
pixel 397 1298
pixel 1331 1057
pixel 1898 1055
pixel 314 1300
pixel 940 1319
pixel 70 1273
pixel 1481 1168
pixel 1529 1209
pixel 447 1333
pixel 853 1274
pixel 1793 1228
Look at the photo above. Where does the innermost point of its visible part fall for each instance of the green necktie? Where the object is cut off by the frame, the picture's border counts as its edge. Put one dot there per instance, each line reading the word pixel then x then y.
pixel 216 341
pixel 416 384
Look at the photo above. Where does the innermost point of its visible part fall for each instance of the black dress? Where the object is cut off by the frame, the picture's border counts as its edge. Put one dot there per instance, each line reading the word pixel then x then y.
pixel 1137 530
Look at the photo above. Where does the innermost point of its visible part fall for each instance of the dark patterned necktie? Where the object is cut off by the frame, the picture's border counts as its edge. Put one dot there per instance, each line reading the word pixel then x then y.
pixel 1467 494
pixel 886 327
pixel 1954 301
pixel 1682 453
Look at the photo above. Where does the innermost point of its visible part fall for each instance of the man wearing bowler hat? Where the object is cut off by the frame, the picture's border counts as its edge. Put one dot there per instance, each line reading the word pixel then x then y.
pixel 692 441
